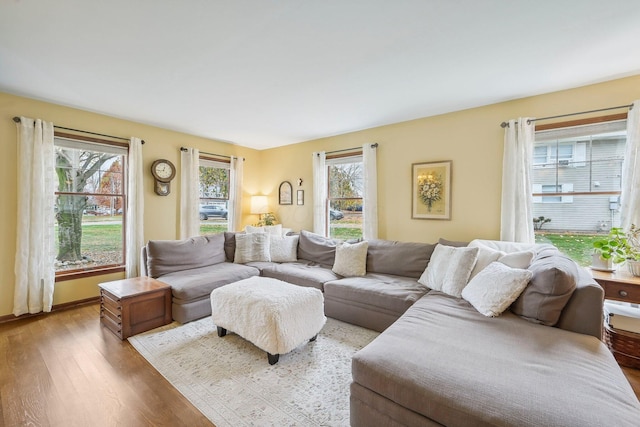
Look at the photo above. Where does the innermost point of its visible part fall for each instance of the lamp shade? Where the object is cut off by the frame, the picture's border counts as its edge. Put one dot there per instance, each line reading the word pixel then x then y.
pixel 259 205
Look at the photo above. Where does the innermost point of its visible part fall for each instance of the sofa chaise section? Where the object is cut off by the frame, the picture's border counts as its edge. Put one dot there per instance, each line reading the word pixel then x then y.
pixel 443 363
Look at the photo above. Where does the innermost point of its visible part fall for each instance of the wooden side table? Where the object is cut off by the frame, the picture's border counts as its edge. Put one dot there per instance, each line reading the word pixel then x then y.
pixel 619 285
pixel 131 306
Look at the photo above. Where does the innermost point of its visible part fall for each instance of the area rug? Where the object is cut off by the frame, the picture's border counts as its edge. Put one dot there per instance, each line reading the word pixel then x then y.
pixel 231 382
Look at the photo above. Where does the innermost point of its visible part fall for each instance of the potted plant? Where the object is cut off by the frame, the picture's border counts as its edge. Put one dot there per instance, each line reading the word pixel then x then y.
pixel 267 219
pixel 616 248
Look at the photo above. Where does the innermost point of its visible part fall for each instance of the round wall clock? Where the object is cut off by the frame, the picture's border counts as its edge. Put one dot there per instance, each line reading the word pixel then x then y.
pixel 163 171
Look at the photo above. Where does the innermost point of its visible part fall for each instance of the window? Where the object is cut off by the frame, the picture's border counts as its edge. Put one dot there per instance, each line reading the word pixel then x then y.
pixel 89 205
pixel 214 196
pixel 576 183
pixel 345 179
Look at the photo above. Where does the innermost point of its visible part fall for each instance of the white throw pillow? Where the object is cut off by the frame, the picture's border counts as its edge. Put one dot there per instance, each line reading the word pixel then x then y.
pixel 449 269
pixel 351 259
pixel 252 247
pixel 487 255
pixel 269 229
pixel 283 249
pixel 495 288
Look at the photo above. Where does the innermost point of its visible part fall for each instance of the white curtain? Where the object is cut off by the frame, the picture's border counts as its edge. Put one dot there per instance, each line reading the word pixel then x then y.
pixel 370 208
pixel 235 193
pixel 517 217
pixel 135 208
pixel 189 193
pixel 630 200
pixel 34 269
pixel 319 193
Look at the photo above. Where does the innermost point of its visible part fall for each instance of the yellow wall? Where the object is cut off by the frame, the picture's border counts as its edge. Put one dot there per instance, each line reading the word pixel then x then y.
pixel 472 139
pixel 161 213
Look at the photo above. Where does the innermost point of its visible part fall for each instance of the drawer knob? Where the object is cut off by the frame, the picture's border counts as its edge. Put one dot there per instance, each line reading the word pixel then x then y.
pixel 623 293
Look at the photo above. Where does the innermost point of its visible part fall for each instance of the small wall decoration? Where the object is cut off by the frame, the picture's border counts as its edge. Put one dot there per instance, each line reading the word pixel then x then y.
pixel 431 190
pixel 285 193
pixel 300 197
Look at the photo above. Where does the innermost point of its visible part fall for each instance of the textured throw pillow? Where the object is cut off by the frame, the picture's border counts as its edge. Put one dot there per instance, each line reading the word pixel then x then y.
pixel 252 247
pixel 449 269
pixel 283 249
pixel 554 279
pixel 487 255
pixel 351 259
pixel 269 229
pixel 495 288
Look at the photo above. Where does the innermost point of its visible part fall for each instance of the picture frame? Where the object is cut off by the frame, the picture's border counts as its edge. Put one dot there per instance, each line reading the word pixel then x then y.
pixel 285 192
pixel 300 195
pixel 431 190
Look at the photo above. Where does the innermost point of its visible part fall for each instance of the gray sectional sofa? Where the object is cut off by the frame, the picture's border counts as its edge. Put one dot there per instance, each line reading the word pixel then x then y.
pixel 438 361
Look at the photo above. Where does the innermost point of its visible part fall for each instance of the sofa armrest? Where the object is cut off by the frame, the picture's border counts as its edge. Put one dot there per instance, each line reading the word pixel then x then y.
pixel 585 310
pixel 143 261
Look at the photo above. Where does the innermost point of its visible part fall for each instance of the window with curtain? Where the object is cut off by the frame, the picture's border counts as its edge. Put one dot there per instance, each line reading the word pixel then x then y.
pixel 577 183
pixel 215 208
pixel 345 178
pixel 90 200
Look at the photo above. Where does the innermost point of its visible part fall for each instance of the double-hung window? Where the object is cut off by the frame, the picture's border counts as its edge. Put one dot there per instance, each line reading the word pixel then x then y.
pixel 214 195
pixel 90 202
pixel 345 178
pixel 577 180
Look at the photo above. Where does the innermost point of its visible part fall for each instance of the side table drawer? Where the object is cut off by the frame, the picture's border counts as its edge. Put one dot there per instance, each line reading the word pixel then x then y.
pixel 621 291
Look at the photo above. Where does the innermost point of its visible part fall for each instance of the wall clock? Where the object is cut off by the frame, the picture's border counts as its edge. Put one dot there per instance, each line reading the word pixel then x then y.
pixel 163 171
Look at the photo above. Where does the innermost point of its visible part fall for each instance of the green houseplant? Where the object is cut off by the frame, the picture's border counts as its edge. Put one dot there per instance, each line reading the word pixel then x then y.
pixel 618 247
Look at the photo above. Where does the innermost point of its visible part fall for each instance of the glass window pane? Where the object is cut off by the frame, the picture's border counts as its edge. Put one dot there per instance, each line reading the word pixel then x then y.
pixel 88 238
pixel 214 197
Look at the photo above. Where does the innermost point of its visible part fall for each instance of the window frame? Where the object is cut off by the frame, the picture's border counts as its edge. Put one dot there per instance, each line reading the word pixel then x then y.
pixel 333 160
pixel 65 275
pixel 216 163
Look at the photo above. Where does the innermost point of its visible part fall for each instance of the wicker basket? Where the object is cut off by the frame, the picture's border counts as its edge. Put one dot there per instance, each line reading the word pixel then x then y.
pixel 624 345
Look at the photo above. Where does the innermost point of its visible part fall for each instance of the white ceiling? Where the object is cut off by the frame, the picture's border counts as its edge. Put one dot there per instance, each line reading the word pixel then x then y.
pixel 265 73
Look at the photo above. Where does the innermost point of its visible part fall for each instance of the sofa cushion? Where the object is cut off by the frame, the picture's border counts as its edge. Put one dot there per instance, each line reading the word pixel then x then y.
pixel 252 247
pixel 552 284
pixel 230 245
pixel 301 273
pixel 494 289
pixel 351 259
pixel 269 229
pixel 167 256
pixel 398 258
pixel 449 269
pixel 378 292
pixel 199 282
pixel 444 360
pixel 316 248
pixel 283 249
pixel 454 243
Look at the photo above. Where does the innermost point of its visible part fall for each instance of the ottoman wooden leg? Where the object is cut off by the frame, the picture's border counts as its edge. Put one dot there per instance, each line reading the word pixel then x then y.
pixel 313 338
pixel 273 358
pixel 221 331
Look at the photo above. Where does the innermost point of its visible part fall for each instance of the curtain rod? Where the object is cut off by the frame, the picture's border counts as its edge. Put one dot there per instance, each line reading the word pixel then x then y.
pixel 17 120
pixel 630 107
pixel 374 145
pixel 211 154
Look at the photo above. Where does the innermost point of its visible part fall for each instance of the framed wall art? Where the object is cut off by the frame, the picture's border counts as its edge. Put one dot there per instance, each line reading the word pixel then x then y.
pixel 285 193
pixel 300 194
pixel 431 190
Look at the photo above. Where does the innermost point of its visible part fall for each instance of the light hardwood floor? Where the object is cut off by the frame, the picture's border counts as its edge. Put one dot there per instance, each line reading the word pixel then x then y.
pixel 64 369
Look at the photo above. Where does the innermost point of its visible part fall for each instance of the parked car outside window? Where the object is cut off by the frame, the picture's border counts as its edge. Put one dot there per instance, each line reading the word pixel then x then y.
pixel 335 215
pixel 207 211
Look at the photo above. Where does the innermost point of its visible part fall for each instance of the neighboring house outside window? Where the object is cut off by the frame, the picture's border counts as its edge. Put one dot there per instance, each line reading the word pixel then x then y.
pixel 215 208
pixel 345 179
pixel 576 176
pixel 90 202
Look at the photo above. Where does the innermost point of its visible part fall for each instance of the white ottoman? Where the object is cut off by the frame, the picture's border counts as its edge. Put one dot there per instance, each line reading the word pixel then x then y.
pixel 274 315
